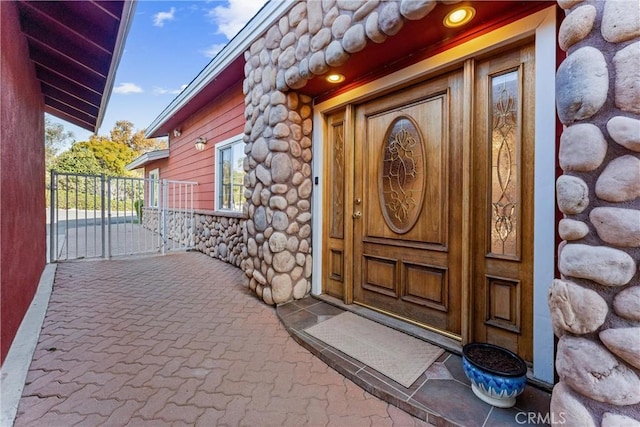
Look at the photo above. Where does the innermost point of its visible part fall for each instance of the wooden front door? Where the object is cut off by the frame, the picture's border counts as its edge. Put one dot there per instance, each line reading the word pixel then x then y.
pixel 430 213
pixel 407 202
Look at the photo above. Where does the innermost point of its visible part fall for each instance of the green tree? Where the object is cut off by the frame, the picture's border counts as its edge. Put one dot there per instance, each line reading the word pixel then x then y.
pixel 80 158
pixel 124 133
pixel 96 156
pixel 56 139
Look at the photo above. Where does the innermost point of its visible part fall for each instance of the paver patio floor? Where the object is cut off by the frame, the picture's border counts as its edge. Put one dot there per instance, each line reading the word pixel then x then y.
pixel 177 340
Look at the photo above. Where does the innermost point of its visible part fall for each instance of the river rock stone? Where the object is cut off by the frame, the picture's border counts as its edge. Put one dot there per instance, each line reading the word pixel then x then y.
pixel 264 175
pixel 277 242
pixel 627 82
pixel 300 289
pixel 390 21
pixel 617 226
pixel 620 21
pixel 350 5
pixel 575 309
pixel 582 83
pixel 335 54
pixel 610 419
pixel 372 30
pixel 620 180
pixel 260 219
pixel 287 58
pixel 567 410
pixel 283 262
pixel 624 343
pixel 625 131
pixel 589 369
pixel 273 37
pixel 320 40
pixel 365 9
pixel 281 130
pixel 602 264
pixel 354 39
pixel 281 288
pixel 627 303
pixel 570 229
pixel 259 150
pixel 340 26
pixel 572 193
pixel 281 168
pixel 416 9
pixel 317 64
pixel 582 148
pixel 314 16
pixel 576 26
pixel 297 14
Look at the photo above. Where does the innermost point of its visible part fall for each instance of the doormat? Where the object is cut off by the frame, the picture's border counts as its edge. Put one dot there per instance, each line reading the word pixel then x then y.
pixel 392 353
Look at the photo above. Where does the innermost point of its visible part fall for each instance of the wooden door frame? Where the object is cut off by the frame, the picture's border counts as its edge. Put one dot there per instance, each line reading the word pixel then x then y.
pixel 542 25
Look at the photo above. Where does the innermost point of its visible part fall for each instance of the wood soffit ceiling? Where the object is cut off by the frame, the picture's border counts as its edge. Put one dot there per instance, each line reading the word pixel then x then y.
pixel 73 45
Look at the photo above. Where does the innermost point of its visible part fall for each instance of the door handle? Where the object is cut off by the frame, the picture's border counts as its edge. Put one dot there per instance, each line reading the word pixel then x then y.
pixel 357 215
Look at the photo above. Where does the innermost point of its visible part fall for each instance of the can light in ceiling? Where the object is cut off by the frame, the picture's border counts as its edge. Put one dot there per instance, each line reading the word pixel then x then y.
pixel 335 78
pixel 459 16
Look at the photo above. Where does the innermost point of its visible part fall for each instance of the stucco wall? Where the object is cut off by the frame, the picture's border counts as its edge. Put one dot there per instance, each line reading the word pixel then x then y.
pixel 22 217
pixel 595 305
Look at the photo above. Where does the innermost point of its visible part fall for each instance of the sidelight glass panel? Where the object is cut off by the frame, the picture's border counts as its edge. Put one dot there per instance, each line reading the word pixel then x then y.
pixel 337 177
pixel 505 185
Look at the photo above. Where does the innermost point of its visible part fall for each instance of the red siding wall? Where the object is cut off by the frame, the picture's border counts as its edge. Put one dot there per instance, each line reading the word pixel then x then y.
pixel 22 205
pixel 219 120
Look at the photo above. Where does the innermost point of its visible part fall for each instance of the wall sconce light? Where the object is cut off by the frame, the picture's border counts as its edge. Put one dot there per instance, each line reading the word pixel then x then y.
pixel 200 143
pixel 177 132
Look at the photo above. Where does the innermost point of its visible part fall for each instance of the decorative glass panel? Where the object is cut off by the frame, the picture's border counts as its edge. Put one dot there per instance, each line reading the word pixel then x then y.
pixel 402 175
pixel 337 177
pixel 505 188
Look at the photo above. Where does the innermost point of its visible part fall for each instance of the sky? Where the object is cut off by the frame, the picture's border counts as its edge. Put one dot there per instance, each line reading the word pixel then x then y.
pixel 169 43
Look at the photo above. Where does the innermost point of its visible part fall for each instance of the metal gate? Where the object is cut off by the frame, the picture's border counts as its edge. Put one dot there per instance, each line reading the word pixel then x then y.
pixel 94 216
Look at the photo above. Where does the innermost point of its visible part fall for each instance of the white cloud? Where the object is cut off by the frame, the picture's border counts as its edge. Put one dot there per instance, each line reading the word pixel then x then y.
pixel 160 17
pixel 230 19
pixel 127 88
pixel 213 50
pixel 164 91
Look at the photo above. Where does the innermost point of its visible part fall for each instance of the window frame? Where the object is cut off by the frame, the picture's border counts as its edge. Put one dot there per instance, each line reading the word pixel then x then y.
pixel 154 188
pixel 219 148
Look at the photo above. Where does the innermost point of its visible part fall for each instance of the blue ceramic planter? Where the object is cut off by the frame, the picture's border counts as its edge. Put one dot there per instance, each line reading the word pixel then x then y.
pixel 497 375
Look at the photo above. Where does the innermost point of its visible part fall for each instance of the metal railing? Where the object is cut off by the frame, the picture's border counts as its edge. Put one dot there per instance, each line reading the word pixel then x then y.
pixel 94 216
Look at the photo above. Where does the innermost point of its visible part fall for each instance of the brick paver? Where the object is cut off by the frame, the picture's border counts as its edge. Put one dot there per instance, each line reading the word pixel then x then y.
pixel 177 340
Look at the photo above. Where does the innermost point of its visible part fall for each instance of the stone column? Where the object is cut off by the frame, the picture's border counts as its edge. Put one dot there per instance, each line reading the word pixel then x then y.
pixel 312 38
pixel 595 305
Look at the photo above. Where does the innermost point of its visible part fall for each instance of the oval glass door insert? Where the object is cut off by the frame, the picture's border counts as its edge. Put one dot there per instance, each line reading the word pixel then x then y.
pixel 402 176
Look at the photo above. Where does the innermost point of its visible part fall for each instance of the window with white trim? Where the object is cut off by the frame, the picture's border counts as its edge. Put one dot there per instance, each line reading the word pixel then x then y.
pixel 154 188
pixel 230 175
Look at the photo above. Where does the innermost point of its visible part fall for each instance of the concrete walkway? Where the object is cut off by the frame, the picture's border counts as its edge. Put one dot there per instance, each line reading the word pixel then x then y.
pixel 177 340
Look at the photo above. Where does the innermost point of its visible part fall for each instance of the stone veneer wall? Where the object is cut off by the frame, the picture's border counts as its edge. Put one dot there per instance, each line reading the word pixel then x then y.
pixel 595 306
pixel 313 37
pixel 219 237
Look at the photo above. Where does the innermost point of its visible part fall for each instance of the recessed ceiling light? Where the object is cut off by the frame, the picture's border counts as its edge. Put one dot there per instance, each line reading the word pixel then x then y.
pixel 335 78
pixel 459 16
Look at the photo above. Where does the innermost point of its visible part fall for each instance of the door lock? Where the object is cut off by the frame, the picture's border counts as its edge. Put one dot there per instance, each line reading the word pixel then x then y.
pixel 357 201
pixel 357 215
